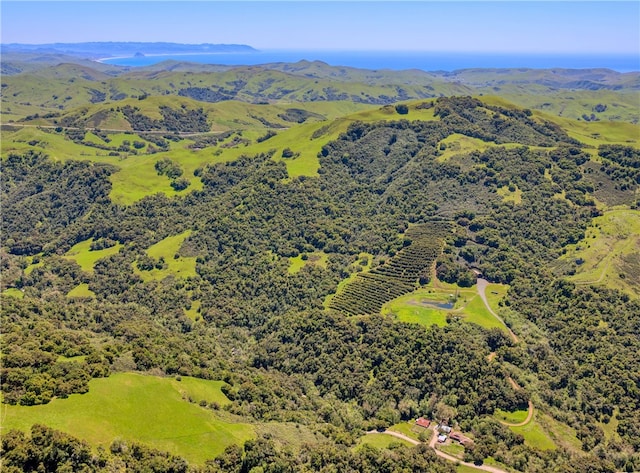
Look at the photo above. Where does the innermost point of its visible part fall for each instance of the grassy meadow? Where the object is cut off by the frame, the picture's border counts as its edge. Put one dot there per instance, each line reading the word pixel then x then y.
pixel 13 292
pixel 535 435
pixel 82 254
pixel 380 441
pixel 167 249
pixel 515 417
pixel 460 144
pixel 193 311
pixel 81 291
pixel 425 306
pixel 421 307
pixel 410 429
pixel 454 449
pixel 136 176
pixel 509 195
pixel 609 254
pixel 317 258
pixel 561 434
pixel 148 409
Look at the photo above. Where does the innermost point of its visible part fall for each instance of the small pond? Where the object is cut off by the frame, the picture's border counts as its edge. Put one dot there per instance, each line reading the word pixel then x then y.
pixel 436 304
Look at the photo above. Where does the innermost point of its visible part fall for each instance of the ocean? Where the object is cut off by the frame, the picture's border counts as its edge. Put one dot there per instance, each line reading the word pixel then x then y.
pixel 426 61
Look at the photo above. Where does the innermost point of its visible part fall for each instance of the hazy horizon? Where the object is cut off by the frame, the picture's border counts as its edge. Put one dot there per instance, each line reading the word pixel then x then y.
pixel 539 27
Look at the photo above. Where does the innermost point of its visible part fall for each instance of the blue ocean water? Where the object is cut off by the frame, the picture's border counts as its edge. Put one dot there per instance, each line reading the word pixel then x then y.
pixel 426 61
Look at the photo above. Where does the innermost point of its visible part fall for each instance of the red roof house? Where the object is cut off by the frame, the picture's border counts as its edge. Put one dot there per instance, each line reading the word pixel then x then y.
pixel 422 422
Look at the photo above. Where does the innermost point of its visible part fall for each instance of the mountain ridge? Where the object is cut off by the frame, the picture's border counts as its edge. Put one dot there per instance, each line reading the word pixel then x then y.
pixel 115 48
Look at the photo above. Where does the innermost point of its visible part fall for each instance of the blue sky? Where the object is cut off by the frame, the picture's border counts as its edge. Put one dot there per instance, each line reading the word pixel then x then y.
pixel 503 26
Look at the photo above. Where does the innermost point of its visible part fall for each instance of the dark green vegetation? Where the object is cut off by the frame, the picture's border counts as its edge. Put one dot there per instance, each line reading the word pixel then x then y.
pixel 199 282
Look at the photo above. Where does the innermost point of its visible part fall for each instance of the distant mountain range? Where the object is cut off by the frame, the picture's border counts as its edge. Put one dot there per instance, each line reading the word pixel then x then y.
pixel 111 49
pixel 57 82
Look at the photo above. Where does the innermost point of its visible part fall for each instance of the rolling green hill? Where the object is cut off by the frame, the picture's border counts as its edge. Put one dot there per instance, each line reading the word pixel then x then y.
pixel 590 94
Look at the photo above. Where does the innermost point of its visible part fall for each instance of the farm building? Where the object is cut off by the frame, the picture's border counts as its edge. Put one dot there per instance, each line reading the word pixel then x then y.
pixel 422 422
pixel 442 438
pixel 459 437
pixel 444 428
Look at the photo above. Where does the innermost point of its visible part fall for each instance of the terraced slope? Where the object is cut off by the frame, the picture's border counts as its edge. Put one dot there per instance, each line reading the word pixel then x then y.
pixel 368 292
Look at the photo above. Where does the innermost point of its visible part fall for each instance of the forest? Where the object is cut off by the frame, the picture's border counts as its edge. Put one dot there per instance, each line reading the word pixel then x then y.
pixel 394 208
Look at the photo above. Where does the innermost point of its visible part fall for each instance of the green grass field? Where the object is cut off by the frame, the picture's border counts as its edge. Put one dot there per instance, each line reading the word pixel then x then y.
pixel 561 434
pixel 136 176
pixel 13 292
pixel 420 307
pixel 460 144
pixel 380 441
pixel 496 293
pixel 151 410
pixel 476 312
pixel 510 196
pixel 192 312
pixel 609 253
pixel 317 258
pixel 82 254
pixel 569 104
pixel 289 435
pixel 535 435
pixel 598 133
pixel 81 290
pixel 515 417
pixel 182 267
pixel 466 469
pixel 31 265
pixel 410 429
pixel 454 449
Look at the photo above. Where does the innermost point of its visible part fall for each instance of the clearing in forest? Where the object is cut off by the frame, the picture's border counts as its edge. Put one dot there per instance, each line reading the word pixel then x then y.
pixel 82 254
pixel 165 255
pixel 534 435
pixel 163 413
pixel 609 254
pixel 316 258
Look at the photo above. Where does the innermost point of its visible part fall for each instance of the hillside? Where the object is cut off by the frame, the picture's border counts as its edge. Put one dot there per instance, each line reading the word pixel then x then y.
pixel 308 255
pixel 588 94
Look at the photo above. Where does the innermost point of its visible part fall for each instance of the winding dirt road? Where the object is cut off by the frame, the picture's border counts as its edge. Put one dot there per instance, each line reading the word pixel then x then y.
pixel 432 444
pixel 482 288
pixel 524 422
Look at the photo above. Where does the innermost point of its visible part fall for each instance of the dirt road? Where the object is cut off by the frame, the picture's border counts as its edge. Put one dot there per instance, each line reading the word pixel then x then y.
pixel 432 444
pixel 482 284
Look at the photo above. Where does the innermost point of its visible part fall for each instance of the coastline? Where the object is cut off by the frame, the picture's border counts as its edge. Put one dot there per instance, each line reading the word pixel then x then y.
pixel 112 58
pixel 427 61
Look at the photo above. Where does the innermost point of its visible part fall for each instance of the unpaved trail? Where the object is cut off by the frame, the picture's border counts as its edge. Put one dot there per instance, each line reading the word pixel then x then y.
pixel 515 386
pixel 482 288
pixel 524 422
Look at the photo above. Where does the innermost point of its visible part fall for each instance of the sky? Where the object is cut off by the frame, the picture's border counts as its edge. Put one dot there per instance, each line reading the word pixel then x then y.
pixel 588 27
